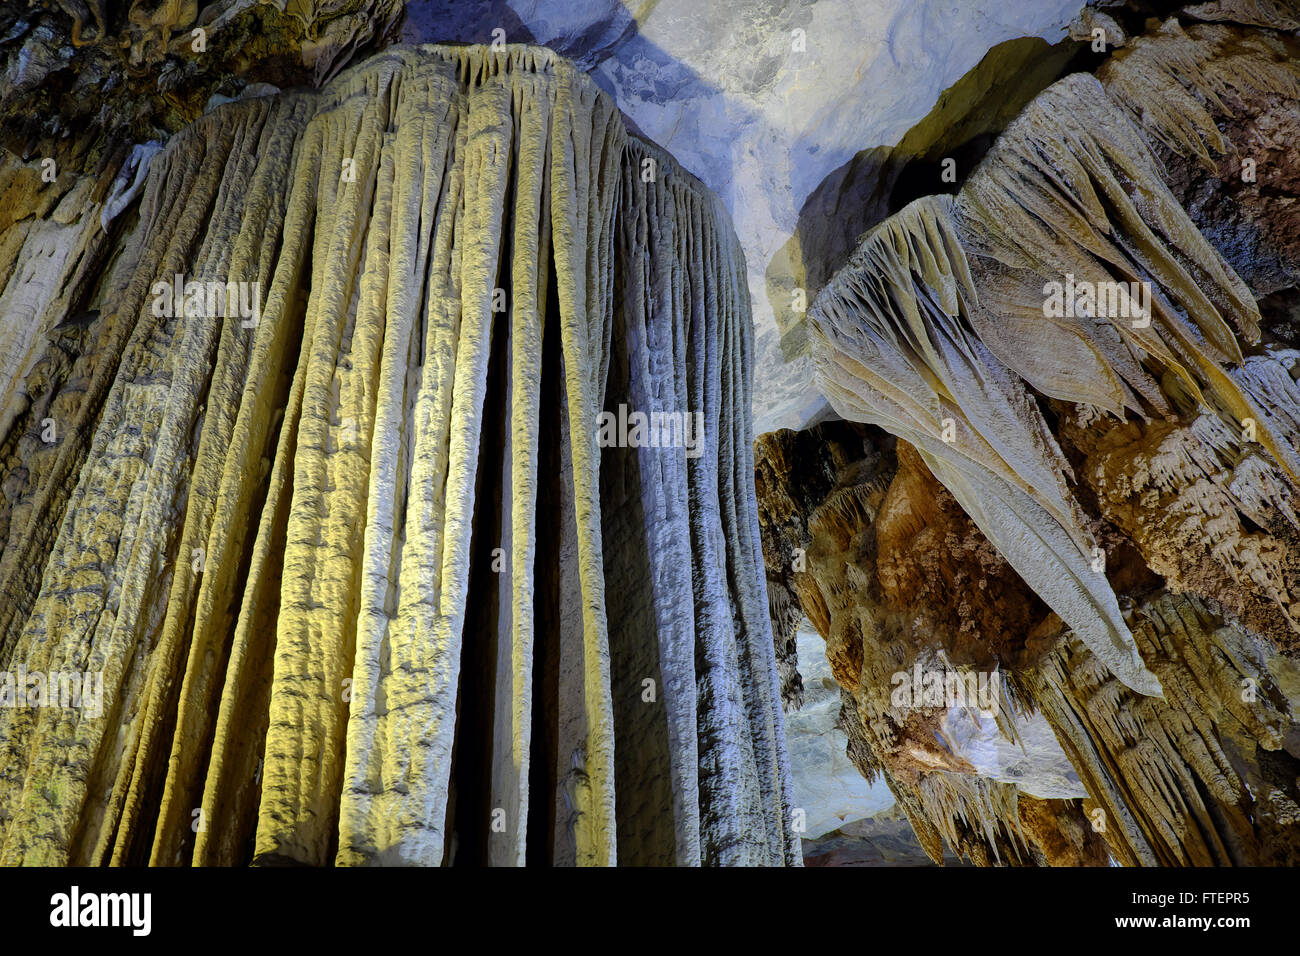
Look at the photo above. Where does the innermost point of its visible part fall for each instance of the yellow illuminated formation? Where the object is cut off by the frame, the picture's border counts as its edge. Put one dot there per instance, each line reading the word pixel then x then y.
pixel 341 557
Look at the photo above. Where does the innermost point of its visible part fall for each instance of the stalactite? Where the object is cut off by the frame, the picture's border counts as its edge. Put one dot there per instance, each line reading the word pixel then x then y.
pixel 894 340
pixel 1167 775
pixel 1194 778
pixel 896 577
pixel 1161 442
pixel 1279 14
pixel 930 321
pixel 1172 82
pixel 350 567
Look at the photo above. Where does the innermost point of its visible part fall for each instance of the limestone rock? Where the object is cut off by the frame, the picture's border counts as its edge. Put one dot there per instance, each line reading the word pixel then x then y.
pixel 883 840
pixel 365 577
pixel 1161 441
pixel 894 568
pixel 1090 21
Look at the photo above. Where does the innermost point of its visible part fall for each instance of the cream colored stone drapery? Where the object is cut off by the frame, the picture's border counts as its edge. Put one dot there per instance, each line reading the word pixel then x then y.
pixel 936 329
pixel 1179 430
pixel 346 570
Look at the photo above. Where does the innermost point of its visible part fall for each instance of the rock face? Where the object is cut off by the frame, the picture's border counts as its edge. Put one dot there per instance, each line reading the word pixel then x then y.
pixel 143 68
pixel 1077 375
pixel 827 786
pixel 884 840
pixel 895 577
pixel 362 580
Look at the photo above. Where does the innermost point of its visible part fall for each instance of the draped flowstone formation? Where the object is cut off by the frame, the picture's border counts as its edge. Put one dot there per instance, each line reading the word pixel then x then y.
pixel 364 576
pixel 1062 350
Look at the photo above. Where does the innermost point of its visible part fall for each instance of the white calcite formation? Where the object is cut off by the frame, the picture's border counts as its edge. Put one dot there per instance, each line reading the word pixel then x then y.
pixel 362 585
pixel 828 788
pixel 1030 758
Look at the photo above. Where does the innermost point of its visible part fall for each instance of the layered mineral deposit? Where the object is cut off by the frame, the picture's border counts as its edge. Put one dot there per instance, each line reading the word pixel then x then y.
pixel 1077 470
pixel 366 578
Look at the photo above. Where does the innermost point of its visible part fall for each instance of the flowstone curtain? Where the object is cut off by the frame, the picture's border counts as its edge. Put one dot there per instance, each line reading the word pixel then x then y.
pixel 328 515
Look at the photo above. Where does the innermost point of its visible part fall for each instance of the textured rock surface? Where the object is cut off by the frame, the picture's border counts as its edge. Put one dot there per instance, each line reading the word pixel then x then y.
pixel 885 839
pixel 937 154
pixel 827 786
pixel 133 69
pixel 1136 471
pixel 324 636
pixel 893 574
pixel 1244 192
